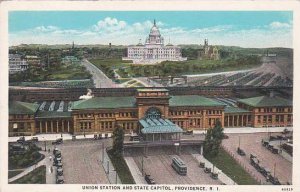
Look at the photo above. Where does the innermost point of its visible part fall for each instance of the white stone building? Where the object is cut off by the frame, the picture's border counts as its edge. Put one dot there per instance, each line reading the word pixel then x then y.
pixel 153 51
pixel 17 63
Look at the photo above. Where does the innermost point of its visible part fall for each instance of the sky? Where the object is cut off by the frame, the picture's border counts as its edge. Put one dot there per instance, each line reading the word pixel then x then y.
pixel 233 28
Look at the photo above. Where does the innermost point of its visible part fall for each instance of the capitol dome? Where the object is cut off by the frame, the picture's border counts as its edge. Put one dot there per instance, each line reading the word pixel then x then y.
pixel 154 30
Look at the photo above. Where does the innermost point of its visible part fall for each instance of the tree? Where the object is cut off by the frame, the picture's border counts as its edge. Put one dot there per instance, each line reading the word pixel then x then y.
pixel 118 139
pixel 213 140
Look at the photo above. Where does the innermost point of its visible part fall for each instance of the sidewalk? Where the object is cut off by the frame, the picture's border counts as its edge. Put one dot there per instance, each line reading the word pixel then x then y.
pixel 135 171
pixel 222 176
pixel 251 130
pixel 29 169
pixel 52 137
pixel 109 169
pixel 50 176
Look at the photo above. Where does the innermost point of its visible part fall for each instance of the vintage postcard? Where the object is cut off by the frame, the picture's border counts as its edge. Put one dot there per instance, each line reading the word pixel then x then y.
pixel 149 96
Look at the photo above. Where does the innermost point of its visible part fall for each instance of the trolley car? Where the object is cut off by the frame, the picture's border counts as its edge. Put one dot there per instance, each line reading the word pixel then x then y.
pixel 179 166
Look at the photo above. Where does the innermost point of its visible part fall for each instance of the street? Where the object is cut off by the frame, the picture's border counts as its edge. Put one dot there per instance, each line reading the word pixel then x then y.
pixel 100 79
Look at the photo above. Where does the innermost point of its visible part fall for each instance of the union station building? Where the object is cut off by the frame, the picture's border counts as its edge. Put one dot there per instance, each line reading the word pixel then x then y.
pixel 148 108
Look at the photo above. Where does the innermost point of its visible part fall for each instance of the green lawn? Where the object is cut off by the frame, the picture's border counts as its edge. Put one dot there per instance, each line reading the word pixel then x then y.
pixel 231 168
pixel 122 168
pixel 167 68
pixel 126 69
pixel 52 73
pixel 13 173
pixel 37 176
pixel 68 72
pixel 31 157
pixel 123 80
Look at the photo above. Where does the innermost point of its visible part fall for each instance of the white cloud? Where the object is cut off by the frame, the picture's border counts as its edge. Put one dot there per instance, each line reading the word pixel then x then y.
pixel 276 25
pixel 45 29
pixel 112 30
pixel 109 24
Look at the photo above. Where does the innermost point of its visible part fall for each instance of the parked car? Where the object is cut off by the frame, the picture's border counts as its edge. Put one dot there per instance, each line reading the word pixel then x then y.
pixel 35 139
pixel 275 150
pixel 273 180
pixel 265 143
pixel 266 172
pixel 21 140
pixel 58 159
pixel 149 179
pixel 57 154
pixel 60 171
pixel 202 164
pixel 55 150
pixel 58 141
pixel 60 180
pixel 207 170
pixel 57 164
pixel 134 138
pixel 241 152
pixel 214 175
pixel 188 132
pixel 285 131
pixel 225 136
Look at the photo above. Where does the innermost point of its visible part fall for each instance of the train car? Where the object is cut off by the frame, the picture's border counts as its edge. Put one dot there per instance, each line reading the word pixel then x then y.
pixel 179 166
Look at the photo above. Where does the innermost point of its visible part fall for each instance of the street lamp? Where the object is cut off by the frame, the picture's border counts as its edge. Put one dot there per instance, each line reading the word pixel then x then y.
pixel 107 167
pixel 102 152
pixel 142 165
pixel 116 176
pixel 44 142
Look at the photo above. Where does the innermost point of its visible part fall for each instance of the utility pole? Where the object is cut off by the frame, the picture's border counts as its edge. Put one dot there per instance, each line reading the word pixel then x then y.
pixel 107 167
pixel 274 168
pixel 102 152
pixel 116 176
pixel 142 165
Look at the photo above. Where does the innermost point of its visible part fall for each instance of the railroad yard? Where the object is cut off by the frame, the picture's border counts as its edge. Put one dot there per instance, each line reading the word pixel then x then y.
pixel 271 73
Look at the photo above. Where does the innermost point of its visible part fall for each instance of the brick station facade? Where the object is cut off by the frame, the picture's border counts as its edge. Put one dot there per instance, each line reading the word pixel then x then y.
pixel 190 112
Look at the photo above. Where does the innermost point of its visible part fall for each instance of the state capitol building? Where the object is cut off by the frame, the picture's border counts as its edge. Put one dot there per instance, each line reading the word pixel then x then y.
pixel 153 51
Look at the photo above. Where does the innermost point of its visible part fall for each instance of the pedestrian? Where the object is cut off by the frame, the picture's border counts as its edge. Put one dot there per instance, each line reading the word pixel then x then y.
pixel 49 150
pixel 50 157
pixel 51 169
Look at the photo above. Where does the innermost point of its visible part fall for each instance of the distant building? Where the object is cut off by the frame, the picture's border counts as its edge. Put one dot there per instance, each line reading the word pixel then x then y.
pixel 208 52
pixel 153 51
pixel 33 60
pixel 17 63
pixel 70 60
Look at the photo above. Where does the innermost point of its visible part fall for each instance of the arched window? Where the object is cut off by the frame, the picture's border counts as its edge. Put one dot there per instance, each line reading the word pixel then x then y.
pixel 153 113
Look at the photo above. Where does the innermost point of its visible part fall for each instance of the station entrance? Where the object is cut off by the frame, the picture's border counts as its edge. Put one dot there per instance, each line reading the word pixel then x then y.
pixel 155 131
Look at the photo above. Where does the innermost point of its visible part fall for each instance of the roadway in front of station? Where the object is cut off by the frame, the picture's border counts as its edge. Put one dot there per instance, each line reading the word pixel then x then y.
pixel 158 161
pixel 82 159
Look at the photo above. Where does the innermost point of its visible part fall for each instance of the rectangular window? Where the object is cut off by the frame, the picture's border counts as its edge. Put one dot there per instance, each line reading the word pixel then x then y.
pixel 264 119
pixel 269 118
